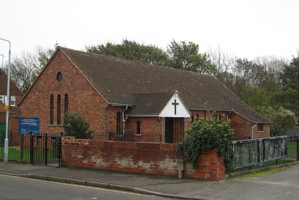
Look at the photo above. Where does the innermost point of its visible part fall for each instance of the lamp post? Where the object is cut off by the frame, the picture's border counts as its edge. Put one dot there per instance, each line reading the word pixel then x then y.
pixel 2 61
pixel 2 56
pixel 7 102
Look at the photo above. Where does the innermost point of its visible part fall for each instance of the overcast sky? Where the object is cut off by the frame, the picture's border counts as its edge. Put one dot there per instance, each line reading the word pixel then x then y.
pixel 244 28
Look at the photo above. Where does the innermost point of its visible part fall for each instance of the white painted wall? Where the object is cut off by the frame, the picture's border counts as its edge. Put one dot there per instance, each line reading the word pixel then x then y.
pixel 181 110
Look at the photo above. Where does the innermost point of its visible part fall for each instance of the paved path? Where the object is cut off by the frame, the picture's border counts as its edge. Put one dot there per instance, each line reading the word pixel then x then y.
pixel 282 185
pixel 29 189
pixel 278 186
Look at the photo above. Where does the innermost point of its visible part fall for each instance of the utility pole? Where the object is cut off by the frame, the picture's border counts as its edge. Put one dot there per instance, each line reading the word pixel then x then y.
pixel 7 102
pixel 2 62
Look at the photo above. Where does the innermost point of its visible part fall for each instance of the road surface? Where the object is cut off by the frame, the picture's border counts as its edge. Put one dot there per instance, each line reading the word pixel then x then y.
pixel 17 188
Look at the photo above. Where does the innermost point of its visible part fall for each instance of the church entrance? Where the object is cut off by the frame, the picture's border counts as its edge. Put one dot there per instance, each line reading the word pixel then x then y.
pixel 174 130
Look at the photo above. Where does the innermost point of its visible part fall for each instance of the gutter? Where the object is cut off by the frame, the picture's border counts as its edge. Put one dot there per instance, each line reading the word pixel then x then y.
pixel 120 104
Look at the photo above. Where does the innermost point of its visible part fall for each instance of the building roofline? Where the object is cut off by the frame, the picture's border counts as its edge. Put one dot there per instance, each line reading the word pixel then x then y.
pixel 84 75
pixel 36 79
pixel 48 63
pixel 244 117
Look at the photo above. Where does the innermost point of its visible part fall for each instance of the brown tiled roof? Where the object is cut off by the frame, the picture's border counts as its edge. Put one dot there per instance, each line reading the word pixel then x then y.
pixel 149 103
pixel 146 86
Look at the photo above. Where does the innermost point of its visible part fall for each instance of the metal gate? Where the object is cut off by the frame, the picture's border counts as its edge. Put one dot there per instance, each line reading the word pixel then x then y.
pixel 43 149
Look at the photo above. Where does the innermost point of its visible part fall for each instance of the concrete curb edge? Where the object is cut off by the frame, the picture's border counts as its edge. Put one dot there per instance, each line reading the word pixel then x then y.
pixel 99 185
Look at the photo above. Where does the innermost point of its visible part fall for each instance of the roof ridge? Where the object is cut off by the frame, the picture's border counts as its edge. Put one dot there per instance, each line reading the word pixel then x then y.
pixel 163 67
pixel 120 79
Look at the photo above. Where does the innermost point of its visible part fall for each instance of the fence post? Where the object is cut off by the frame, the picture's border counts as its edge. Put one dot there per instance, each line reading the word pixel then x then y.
pixel 22 148
pixel 60 150
pixel 264 150
pixel 31 149
pixel 258 152
pixel 46 148
pixel 297 142
pixel 261 152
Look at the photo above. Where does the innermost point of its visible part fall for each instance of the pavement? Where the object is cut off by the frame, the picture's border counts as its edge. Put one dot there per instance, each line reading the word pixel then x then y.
pixel 279 184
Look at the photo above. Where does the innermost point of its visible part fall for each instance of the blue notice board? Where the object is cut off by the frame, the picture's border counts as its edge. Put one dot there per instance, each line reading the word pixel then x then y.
pixel 29 125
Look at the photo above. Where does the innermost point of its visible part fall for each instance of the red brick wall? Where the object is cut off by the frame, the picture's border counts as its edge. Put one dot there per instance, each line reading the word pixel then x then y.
pixel 111 113
pixel 210 167
pixel 151 129
pixel 243 128
pixel 82 97
pixel 144 158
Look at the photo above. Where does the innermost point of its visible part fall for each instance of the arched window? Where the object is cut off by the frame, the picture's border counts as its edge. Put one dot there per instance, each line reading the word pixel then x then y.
pixel 58 109
pixel 59 76
pixel 66 103
pixel 51 109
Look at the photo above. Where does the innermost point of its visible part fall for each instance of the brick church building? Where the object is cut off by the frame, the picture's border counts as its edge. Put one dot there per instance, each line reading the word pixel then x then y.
pixel 123 99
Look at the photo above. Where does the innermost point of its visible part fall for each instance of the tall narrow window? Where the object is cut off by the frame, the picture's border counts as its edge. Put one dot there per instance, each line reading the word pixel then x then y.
pixel 119 123
pixel 138 128
pixel 51 109
pixel 58 109
pixel 66 103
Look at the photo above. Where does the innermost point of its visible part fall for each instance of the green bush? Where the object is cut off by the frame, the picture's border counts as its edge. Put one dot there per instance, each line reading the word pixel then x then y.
pixel 204 136
pixel 75 125
pixel 282 119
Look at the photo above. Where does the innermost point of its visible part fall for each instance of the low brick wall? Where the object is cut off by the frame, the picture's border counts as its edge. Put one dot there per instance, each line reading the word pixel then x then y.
pixel 210 167
pixel 144 158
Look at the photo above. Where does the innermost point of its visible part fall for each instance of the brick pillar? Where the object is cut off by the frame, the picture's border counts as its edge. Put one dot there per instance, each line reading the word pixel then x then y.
pixel 210 167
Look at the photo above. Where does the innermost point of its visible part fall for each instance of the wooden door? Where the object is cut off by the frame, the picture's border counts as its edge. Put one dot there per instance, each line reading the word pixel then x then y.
pixel 178 130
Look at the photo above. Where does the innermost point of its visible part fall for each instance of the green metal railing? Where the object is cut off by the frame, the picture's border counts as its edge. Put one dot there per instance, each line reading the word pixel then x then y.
pixel 258 152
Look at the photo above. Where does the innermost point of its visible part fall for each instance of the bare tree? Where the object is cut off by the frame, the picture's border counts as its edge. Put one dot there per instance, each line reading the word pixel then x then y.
pixel 25 68
pixel 222 60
